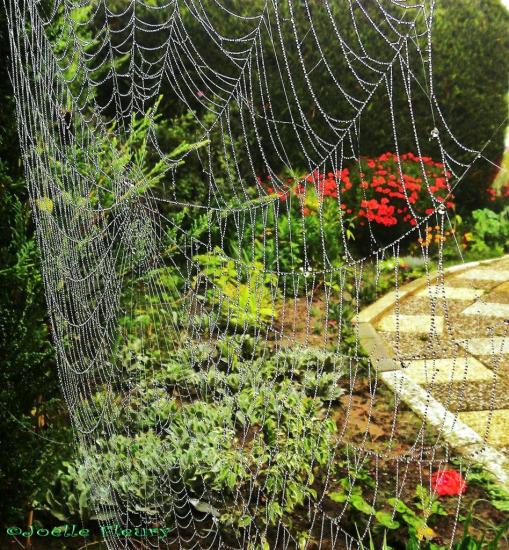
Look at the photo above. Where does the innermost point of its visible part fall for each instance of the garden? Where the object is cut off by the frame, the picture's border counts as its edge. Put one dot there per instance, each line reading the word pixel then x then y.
pixel 182 365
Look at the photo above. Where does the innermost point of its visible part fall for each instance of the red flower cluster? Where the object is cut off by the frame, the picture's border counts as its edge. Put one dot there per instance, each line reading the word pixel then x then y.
pixel 402 192
pixel 385 190
pixel 379 212
pixel 502 193
pixel 448 483
pixel 326 185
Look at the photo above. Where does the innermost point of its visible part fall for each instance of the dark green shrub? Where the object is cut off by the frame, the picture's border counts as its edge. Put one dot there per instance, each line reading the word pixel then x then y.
pixel 28 375
pixel 471 64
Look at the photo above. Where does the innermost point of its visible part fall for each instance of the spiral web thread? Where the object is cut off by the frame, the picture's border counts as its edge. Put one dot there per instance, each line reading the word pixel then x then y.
pixel 104 231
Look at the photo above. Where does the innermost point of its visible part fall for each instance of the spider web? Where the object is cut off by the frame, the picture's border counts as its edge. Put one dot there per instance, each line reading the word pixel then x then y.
pixel 134 290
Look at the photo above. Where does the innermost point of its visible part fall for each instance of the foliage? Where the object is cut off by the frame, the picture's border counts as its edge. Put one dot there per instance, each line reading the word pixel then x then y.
pixel 470 69
pixel 469 82
pixel 256 418
pixel 498 495
pixel 392 513
pixel 470 79
pixel 489 234
pixel 29 392
pixel 467 541
pixel 244 294
pixel 246 408
pixel 33 446
pixel 69 496
pixel 122 163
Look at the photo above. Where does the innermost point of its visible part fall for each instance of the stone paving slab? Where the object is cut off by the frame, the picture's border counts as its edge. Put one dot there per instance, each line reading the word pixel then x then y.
pixel 419 324
pixel 471 395
pixel 498 434
pixel 488 309
pixel 446 370
pixel 451 292
pixel 484 275
pixel 499 294
pixel 487 346
pixel 378 308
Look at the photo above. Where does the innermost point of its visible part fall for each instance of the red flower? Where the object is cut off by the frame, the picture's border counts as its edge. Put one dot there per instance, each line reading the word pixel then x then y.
pixel 448 483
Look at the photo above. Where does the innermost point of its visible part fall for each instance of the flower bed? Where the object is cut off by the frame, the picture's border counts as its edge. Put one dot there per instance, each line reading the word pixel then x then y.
pixel 382 197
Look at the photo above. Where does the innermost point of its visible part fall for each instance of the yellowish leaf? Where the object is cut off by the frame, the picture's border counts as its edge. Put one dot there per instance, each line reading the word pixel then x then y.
pixel 45 204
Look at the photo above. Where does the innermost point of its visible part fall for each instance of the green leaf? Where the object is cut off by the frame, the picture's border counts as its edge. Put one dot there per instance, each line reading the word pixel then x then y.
pixel 362 505
pixel 502 505
pixel 338 497
pixel 400 506
pixel 45 204
pixel 244 521
pixel 385 519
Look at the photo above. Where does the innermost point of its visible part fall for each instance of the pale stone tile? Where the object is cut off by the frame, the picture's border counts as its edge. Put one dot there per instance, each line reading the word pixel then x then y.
pixel 484 275
pixel 444 371
pixel 486 346
pixel 488 309
pixel 378 307
pixel 498 434
pixel 451 292
pixel 419 324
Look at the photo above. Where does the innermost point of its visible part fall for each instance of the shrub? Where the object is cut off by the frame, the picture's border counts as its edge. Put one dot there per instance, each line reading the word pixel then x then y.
pixel 374 202
pixel 489 234
pixel 470 67
pixel 470 75
pixel 244 294
pixel 257 415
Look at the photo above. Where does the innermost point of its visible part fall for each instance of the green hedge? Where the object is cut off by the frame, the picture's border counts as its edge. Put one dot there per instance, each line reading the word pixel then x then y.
pixel 470 62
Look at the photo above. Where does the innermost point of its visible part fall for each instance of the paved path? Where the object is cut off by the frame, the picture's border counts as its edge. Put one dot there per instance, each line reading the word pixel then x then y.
pixel 451 338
